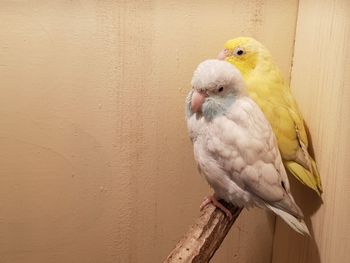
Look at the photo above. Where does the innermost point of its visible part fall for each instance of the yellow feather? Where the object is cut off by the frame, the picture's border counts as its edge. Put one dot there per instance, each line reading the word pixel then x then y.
pixel 303 175
pixel 267 87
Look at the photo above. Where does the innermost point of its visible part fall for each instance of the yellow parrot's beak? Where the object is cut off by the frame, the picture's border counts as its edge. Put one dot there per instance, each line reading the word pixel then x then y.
pixel 223 54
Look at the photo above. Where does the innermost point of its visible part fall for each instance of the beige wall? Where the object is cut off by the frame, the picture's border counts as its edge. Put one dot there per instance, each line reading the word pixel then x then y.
pixel 95 163
pixel 321 84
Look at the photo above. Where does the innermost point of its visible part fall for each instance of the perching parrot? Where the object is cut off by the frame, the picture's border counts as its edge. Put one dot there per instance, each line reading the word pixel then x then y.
pixel 268 89
pixel 234 145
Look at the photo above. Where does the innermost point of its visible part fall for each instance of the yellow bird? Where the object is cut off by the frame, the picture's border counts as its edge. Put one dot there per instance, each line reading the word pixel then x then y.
pixel 268 89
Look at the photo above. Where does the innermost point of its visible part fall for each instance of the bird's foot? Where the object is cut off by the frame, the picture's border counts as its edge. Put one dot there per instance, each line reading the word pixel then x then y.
pixel 212 199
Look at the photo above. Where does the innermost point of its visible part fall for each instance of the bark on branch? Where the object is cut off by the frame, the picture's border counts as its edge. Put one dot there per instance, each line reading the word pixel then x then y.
pixel 205 236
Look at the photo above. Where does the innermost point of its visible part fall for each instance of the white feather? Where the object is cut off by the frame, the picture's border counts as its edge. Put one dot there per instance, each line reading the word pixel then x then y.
pixel 297 224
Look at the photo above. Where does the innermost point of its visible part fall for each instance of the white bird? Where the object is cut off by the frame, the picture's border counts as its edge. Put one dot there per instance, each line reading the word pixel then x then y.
pixel 234 145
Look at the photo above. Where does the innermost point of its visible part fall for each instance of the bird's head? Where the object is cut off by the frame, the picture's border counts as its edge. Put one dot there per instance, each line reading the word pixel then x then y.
pixel 216 84
pixel 245 53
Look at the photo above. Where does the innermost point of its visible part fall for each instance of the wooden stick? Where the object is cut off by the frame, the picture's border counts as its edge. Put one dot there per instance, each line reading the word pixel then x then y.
pixel 203 239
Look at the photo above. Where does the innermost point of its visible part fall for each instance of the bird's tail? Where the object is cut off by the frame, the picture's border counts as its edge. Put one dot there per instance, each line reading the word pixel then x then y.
pixel 295 223
pixel 316 173
pixel 311 179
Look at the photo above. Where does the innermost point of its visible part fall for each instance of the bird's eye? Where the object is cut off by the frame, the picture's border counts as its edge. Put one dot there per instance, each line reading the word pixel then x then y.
pixel 239 52
pixel 220 89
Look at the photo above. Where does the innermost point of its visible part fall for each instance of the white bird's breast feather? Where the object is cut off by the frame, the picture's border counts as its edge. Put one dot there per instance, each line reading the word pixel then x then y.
pixel 233 147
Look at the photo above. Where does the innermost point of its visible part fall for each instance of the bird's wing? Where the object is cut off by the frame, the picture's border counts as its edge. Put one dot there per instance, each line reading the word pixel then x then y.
pixel 288 125
pixel 263 175
pixel 304 168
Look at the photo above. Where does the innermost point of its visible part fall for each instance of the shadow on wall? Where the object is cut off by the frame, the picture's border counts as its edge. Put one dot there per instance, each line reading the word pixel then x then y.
pixel 309 202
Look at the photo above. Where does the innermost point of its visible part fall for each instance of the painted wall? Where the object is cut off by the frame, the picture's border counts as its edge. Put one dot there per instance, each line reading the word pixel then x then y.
pixel 95 162
pixel 321 84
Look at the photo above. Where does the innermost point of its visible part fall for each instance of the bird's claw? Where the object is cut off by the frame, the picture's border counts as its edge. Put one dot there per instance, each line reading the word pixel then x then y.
pixel 212 199
pixel 205 202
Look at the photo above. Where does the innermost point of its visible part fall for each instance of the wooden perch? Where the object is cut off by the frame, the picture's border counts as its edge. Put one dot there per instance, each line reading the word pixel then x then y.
pixel 205 236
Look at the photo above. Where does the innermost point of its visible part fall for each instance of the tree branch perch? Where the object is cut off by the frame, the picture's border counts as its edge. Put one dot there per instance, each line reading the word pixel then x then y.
pixel 204 237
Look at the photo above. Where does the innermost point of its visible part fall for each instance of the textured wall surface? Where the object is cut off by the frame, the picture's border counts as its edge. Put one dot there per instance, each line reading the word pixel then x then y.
pixel 321 84
pixel 95 162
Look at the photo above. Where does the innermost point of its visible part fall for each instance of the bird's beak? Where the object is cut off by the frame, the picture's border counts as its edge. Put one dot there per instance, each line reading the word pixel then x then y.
pixel 223 54
pixel 198 99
